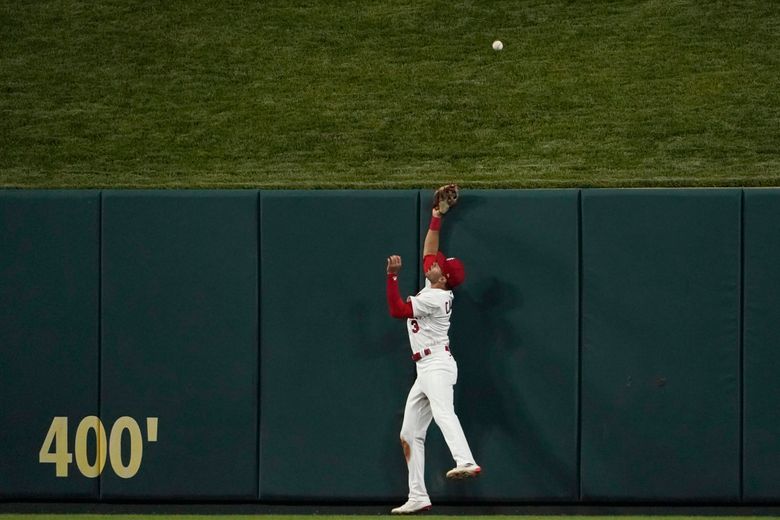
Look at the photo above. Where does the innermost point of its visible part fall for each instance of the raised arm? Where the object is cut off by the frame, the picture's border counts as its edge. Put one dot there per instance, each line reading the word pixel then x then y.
pixel 444 198
pixel 431 245
pixel 397 307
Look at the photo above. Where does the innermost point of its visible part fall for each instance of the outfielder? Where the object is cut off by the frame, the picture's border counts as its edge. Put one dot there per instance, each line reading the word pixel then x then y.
pixel 431 396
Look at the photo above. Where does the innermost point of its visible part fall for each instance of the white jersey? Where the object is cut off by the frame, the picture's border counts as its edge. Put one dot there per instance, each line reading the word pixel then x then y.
pixel 432 310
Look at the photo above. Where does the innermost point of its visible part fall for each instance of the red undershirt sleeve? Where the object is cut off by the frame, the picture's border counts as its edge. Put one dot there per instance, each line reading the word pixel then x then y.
pixel 398 308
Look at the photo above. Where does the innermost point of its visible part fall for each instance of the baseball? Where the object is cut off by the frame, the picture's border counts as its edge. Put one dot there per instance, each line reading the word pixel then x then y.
pixel 497 45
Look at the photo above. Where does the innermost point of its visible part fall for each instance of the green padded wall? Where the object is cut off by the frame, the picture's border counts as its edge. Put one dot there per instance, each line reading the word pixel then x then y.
pixel 762 345
pixel 514 336
pixel 335 366
pixel 181 320
pixel 179 340
pixel 49 280
pixel 660 359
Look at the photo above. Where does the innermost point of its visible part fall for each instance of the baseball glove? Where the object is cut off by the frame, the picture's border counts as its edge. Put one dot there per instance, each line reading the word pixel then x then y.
pixel 445 197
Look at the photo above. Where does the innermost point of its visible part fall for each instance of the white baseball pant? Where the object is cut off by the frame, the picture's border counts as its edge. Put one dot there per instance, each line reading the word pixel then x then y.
pixel 431 397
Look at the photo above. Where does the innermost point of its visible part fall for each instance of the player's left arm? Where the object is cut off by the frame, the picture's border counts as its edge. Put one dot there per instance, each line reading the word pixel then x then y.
pixel 398 308
pixel 431 244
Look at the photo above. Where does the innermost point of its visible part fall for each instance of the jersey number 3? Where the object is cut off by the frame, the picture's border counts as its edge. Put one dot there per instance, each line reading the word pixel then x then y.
pixel 415 326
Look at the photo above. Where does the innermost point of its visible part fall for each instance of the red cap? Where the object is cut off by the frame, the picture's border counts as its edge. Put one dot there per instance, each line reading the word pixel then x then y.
pixel 453 270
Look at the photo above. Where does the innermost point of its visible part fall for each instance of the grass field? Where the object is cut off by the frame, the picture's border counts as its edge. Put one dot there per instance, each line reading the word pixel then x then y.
pixel 363 517
pixel 395 94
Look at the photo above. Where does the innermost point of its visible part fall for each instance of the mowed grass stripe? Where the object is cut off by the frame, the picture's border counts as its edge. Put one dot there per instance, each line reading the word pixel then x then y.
pixel 402 94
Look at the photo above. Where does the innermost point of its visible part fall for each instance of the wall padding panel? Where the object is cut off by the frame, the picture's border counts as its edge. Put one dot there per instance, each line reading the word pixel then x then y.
pixel 762 345
pixel 660 359
pixel 179 340
pixel 514 336
pixel 335 366
pixel 49 281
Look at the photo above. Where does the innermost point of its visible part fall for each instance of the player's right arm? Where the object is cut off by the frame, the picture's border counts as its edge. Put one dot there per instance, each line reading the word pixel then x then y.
pixel 398 308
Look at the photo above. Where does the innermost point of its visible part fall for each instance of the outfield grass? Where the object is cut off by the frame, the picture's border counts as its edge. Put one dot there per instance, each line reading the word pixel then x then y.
pixel 397 94
pixel 365 517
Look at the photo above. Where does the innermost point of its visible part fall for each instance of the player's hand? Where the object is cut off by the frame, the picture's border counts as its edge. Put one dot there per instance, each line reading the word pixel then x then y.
pixel 393 264
pixel 445 198
pixel 436 213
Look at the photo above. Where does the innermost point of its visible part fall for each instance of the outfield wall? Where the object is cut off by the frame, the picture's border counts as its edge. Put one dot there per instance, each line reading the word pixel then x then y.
pixel 613 345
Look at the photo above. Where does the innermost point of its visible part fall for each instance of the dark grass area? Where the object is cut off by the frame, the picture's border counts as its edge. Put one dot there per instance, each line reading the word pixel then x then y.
pixel 389 94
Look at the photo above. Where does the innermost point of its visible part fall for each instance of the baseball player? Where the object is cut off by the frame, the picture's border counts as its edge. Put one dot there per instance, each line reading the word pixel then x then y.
pixel 431 396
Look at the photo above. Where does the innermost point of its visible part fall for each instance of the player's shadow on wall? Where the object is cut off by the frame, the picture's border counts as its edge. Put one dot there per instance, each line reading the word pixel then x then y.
pixel 490 399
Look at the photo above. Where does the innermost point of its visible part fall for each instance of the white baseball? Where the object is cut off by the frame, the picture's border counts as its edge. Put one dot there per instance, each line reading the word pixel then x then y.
pixel 497 45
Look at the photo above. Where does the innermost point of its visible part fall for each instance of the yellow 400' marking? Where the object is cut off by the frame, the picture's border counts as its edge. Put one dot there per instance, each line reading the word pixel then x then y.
pixel 107 446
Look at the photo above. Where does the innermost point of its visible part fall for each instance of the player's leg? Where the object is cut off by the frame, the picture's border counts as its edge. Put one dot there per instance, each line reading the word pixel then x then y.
pixel 417 418
pixel 438 387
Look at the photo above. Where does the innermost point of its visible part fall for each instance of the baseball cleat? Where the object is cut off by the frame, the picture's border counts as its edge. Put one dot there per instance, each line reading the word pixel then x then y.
pixel 411 507
pixel 465 471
